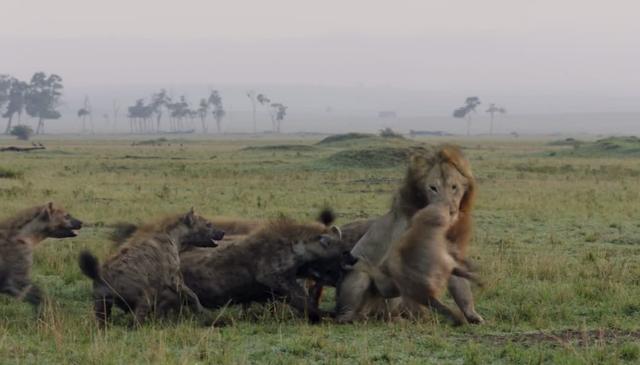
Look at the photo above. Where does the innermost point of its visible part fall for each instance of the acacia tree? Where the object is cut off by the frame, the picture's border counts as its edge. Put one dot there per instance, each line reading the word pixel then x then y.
pixel 493 109
pixel 139 114
pixel 251 94
pixel 5 88
pixel 158 101
pixel 265 101
pixel 178 111
pixel 84 113
pixel 469 106
pixel 203 111
pixel 218 109
pixel 42 98
pixel 115 106
pixel 279 111
pixel 16 98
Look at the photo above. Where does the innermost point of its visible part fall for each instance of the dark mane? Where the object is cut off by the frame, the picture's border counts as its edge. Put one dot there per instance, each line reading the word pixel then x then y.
pixel 412 196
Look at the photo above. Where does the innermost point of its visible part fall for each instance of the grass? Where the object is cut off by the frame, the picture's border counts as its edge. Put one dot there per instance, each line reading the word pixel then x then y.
pixel 606 147
pixel 557 241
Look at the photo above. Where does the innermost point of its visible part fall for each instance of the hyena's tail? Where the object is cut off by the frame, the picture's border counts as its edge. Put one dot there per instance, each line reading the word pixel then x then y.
pixel 90 266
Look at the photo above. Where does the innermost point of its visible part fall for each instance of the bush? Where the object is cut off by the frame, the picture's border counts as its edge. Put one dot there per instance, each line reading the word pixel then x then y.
pixel 390 133
pixel 23 132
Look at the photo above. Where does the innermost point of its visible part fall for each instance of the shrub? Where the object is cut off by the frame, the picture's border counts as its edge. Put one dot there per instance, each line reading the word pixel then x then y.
pixel 23 132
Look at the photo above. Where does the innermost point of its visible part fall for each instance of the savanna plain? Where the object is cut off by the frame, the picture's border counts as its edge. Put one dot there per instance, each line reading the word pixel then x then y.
pixel 557 242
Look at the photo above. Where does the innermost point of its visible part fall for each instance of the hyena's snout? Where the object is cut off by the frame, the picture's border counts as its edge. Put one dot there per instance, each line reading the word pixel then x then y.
pixel 75 224
pixel 218 234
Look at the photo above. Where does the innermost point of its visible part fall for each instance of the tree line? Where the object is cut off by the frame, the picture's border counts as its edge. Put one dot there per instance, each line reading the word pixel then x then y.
pixel 469 107
pixel 39 98
pixel 146 117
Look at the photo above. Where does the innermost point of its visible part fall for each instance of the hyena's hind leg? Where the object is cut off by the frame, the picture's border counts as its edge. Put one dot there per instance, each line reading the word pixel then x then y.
pixel 102 309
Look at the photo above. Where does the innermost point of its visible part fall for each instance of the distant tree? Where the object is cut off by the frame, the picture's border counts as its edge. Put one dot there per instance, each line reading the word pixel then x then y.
pixel 139 115
pixel 84 113
pixel 469 106
pixel 263 99
pixel 203 112
pixel 279 111
pixel 493 109
pixel 115 107
pixel 5 88
pixel 23 132
pixel 42 98
pixel 159 101
pixel 390 133
pixel 251 94
pixel 179 112
pixel 17 101
pixel 218 109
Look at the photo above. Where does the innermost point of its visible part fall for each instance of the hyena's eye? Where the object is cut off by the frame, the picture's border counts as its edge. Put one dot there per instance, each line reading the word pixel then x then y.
pixel 433 188
pixel 454 187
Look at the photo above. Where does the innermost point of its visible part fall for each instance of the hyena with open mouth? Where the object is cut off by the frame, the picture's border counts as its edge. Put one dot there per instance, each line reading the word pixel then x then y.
pixel 19 235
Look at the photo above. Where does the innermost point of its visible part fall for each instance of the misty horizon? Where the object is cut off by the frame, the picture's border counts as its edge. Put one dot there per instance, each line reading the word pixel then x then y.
pixel 416 58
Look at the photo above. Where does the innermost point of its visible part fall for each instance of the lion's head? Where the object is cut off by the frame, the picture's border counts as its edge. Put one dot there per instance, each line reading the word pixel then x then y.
pixel 443 176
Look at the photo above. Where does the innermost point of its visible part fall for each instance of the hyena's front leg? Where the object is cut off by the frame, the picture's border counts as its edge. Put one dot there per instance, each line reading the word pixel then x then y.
pixel 28 292
pixel 191 298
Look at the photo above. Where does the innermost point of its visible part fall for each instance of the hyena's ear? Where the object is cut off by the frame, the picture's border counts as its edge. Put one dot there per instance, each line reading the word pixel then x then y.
pixel 46 211
pixel 190 218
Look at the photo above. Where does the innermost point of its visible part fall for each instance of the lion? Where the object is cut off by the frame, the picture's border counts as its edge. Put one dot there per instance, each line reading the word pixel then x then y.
pixel 143 275
pixel 442 175
pixel 19 235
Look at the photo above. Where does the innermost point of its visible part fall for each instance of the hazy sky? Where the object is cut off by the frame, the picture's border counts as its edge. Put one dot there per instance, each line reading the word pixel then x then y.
pixel 551 49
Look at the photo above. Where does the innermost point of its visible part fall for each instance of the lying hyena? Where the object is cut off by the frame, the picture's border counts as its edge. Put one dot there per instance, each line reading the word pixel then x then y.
pixel 143 276
pixel 19 235
pixel 262 266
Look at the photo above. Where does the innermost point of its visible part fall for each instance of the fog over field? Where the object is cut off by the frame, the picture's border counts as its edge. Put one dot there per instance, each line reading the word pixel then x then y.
pixel 568 66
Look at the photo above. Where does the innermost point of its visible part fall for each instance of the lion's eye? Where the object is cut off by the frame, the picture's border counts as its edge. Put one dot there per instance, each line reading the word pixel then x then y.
pixel 433 188
pixel 454 187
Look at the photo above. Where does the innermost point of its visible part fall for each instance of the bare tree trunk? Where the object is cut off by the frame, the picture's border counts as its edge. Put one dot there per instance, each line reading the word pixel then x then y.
pixel 204 126
pixel 491 127
pixel 40 128
pixel 468 125
pixel 9 124
pixel 255 126
pixel 219 125
pixel 116 109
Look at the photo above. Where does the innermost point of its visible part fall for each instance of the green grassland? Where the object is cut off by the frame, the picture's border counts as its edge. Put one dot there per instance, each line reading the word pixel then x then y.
pixel 557 241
